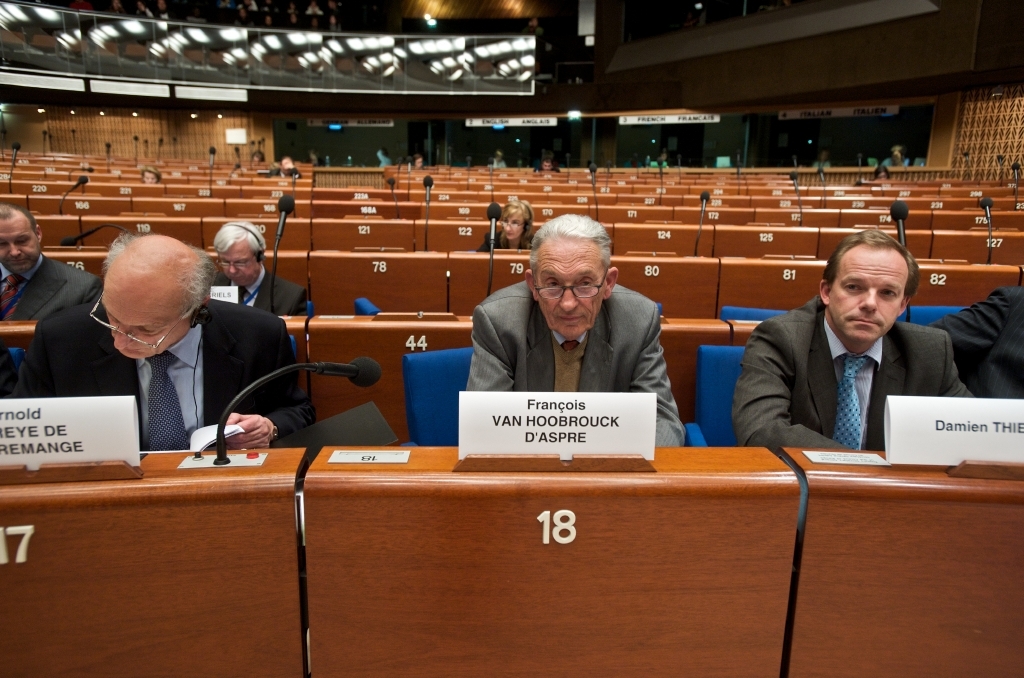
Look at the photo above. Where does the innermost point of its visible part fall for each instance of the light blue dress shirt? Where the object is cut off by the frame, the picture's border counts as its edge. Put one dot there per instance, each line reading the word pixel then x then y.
pixel 186 373
pixel 862 382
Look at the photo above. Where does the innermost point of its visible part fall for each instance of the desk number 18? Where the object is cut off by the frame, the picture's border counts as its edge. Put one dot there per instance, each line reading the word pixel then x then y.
pixel 565 530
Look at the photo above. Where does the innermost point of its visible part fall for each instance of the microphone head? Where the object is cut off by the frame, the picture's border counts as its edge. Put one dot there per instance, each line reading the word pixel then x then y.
pixel 16 146
pixel 135 138
pixel 1015 166
pixel 286 204
pixel 82 180
pixel 369 372
pixel 391 182
pixel 69 241
pixel 213 151
pixel 899 211
pixel 428 181
pixel 469 160
pixel 108 145
pixel 704 196
pixel 792 177
pixel 592 167
pixel 986 203
pixel 494 211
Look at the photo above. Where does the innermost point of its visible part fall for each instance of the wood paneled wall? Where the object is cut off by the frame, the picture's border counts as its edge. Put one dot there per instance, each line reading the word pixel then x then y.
pixel 988 127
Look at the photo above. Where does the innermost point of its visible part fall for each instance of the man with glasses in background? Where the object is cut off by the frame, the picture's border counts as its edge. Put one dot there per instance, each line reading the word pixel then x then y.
pixel 241 249
pixel 155 335
pixel 568 327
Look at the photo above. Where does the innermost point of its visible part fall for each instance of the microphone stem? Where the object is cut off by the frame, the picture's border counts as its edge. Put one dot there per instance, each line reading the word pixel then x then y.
pixel 273 272
pixel 490 260
pixel 426 226
pixel 222 443
pixel 700 227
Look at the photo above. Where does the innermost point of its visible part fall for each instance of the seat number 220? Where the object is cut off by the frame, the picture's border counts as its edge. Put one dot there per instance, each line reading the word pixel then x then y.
pixel 563 530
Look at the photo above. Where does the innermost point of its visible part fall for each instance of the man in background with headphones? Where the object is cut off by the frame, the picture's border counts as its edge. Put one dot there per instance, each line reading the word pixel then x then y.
pixel 155 335
pixel 241 250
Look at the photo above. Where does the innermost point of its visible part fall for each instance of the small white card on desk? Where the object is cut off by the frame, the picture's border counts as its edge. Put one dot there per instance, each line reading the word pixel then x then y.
pixel 240 459
pixel 947 431
pixel 36 431
pixel 228 293
pixel 557 423
pixel 368 457
pixel 849 458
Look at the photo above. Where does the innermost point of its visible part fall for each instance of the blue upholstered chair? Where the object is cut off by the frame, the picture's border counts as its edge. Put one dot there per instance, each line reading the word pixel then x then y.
pixel 366 307
pixel 744 313
pixel 433 380
pixel 718 368
pixel 17 355
pixel 310 310
pixel 926 315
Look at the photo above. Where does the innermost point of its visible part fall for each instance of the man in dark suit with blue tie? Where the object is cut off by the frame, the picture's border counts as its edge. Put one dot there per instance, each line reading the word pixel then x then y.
pixel 156 335
pixel 818 376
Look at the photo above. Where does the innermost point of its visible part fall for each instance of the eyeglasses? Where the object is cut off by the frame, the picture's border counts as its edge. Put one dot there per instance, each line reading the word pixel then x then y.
pixel 112 328
pixel 581 291
pixel 243 263
pixel 512 222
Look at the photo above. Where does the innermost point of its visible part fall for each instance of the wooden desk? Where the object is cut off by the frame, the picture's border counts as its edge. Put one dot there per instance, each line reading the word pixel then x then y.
pixel 413 570
pixel 907 572
pixel 393 281
pixel 180 573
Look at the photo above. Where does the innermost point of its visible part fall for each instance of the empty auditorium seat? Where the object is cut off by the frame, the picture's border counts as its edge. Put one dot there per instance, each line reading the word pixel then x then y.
pixel 718 370
pixel 396 281
pixel 768 283
pixel 757 241
pixel 433 380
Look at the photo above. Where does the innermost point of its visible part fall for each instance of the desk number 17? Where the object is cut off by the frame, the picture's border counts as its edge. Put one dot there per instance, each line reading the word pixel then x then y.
pixel 564 531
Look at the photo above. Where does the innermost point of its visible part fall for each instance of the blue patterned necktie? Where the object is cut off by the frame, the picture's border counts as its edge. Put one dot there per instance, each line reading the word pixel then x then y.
pixel 166 424
pixel 847 431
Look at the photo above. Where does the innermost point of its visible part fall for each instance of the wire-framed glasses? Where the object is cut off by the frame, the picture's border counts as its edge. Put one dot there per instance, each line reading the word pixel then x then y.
pixel 581 291
pixel 113 328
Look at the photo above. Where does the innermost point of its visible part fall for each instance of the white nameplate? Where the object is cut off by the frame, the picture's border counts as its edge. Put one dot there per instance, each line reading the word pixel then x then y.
pixel 240 459
pixel 368 457
pixel 563 423
pixel 228 293
pixel 947 431
pixel 850 458
pixel 36 431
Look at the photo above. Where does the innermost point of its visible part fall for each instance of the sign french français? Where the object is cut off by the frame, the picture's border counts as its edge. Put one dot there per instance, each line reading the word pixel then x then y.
pixel 563 423
pixel 350 122
pixel 947 431
pixel 858 112
pixel 682 119
pixel 36 431
pixel 511 122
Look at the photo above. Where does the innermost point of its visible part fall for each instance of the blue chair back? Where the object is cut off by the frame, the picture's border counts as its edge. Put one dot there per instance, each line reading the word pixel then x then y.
pixel 744 313
pixel 433 380
pixel 310 309
pixel 366 307
pixel 718 368
pixel 17 355
pixel 926 315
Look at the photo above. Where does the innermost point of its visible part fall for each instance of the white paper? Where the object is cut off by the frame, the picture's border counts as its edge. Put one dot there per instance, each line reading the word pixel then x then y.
pixel 240 459
pixel 36 431
pixel 947 431
pixel 204 437
pixel 368 457
pixel 849 458
pixel 564 423
pixel 236 136
pixel 228 293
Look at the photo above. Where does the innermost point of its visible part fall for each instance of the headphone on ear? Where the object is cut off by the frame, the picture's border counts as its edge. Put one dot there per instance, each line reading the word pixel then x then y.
pixel 260 251
pixel 201 316
pixel 528 214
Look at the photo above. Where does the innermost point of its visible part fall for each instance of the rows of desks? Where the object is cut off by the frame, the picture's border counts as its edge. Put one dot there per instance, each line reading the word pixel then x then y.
pixel 422 569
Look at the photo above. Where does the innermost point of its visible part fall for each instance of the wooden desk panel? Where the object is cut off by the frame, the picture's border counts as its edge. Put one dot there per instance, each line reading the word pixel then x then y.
pixel 17 333
pixel 186 229
pixel 961 285
pixel 89 259
pixel 293 266
pixel 296 231
pixel 56 227
pixel 964 220
pixel 393 281
pixel 757 241
pixel 347 234
pixel 179 207
pixel 907 572
pixel 82 205
pixel 467 285
pixel 417 571
pixel 781 284
pixel 812 218
pixel 453 236
pixel 919 242
pixel 118 189
pixel 686 287
pixel 679 341
pixel 667 238
pixel 200 191
pixel 342 339
pixel 737 216
pixel 917 219
pixel 180 573
pixel 339 209
pixel 972 245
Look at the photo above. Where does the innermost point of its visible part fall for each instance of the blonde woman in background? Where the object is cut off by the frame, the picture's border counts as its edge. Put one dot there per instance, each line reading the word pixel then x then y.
pixel 516 222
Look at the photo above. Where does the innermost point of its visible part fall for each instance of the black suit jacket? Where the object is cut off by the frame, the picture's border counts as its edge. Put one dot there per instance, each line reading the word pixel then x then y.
pixel 988 344
pixel 73 355
pixel 54 287
pixel 289 298
pixel 787 393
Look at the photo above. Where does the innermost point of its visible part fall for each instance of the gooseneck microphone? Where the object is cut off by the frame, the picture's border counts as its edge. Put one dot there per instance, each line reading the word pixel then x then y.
pixel 82 181
pixel 704 197
pixel 800 203
pixel 159 147
pixel 568 166
pixel 213 152
pixel 1016 182
pixel 108 157
pixel 661 182
pixel 361 371
pixel 899 213
pixel 824 190
pixel 15 147
pixel 408 178
pixel 76 240
pixel 593 186
pixel 285 206
pixel 608 173
pixel 490 167
pixel 136 140
pixel 986 204
pixel 391 184
pixel 469 164
pixel 428 183
pixel 493 213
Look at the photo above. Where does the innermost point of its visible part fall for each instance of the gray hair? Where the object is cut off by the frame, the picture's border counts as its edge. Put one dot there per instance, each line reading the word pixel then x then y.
pixel 233 231
pixel 572 226
pixel 194 281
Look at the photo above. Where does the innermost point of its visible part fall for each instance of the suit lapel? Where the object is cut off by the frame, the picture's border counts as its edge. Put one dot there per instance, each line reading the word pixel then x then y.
pixel 263 296
pixel 222 372
pixel 821 378
pixel 540 357
pixel 116 375
pixel 888 381
pixel 39 290
pixel 596 374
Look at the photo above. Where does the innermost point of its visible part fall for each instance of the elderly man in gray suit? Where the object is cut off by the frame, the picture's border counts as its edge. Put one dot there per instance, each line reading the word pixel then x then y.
pixel 818 376
pixel 32 285
pixel 568 327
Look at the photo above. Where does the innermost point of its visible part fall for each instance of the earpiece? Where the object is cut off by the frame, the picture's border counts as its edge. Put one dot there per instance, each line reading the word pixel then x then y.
pixel 260 253
pixel 201 316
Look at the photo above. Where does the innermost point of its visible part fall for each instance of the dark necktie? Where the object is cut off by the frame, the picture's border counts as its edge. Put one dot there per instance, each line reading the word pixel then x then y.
pixel 7 301
pixel 847 430
pixel 166 424
pixel 569 344
pixel 242 294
